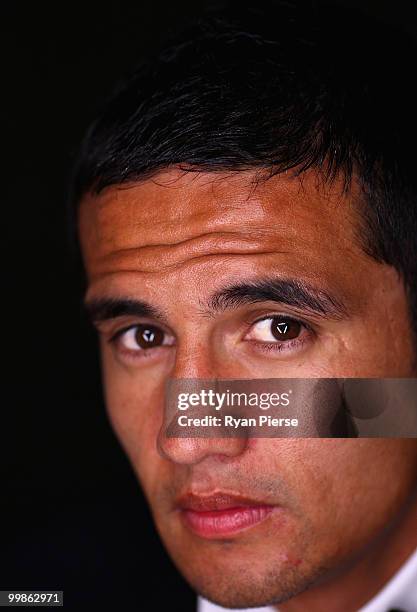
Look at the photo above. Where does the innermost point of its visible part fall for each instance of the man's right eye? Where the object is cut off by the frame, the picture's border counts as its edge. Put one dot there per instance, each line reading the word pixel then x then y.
pixel 141 337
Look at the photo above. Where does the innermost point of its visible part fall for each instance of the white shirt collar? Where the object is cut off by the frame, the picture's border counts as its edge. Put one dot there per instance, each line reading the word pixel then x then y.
pixel 399 592
pixel 206 606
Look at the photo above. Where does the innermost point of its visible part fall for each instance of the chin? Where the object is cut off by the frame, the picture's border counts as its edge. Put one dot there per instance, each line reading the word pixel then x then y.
pixel 240 581
pixel 247 591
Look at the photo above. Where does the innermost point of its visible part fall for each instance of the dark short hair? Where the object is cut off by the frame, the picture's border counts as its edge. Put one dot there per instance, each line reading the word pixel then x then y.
pixel 274 86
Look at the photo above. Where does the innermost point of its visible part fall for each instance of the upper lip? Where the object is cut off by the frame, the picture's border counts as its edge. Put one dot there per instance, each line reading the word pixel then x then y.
pixel 215 501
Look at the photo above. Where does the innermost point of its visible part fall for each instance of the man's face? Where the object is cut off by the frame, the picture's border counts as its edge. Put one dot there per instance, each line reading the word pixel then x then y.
pixel 203 271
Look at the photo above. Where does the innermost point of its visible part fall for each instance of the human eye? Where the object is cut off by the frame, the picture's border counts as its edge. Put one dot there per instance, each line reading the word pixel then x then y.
pixel 279 333
pixel 140 340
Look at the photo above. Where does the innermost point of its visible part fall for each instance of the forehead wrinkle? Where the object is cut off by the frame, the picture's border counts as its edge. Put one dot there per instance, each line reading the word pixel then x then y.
pixel 190 249
pixel 158 267
pixel 216 237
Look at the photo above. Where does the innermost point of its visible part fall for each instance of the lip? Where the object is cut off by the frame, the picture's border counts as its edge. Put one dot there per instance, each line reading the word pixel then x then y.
pixel 221 515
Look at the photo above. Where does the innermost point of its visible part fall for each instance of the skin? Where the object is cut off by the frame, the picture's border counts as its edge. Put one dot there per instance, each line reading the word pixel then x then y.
pixel 173 241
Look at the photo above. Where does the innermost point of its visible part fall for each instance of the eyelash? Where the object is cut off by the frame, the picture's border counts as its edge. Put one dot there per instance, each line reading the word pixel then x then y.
pixel 279 347
pixel 130 354
pixel 265 347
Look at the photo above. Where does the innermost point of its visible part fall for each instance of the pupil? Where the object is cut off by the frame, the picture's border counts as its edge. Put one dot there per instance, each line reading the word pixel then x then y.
pixel 148 336
pixel 285 329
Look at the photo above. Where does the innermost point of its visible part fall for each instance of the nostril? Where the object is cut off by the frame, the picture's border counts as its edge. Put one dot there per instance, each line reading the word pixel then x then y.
pixel 183 450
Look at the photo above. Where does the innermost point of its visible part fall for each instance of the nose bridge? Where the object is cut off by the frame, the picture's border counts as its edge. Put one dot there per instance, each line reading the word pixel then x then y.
pixel 193 358
pixel 194 354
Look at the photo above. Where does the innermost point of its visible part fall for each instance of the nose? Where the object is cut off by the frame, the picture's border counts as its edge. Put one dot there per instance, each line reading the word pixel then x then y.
pixel 198 363
pixel 189 451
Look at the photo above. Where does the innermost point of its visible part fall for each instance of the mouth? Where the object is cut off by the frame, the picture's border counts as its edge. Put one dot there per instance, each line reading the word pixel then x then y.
pixel 221 515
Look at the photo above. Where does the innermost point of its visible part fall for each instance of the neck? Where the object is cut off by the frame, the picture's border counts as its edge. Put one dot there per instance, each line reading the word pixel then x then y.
pixel 365 575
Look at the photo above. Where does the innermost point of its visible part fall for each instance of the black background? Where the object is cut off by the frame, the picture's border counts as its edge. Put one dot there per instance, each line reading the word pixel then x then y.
pixel 72 514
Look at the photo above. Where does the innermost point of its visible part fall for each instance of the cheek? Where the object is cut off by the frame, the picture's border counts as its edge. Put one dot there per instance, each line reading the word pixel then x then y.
pixel 349 488
pixel 369 351
pixel 135 405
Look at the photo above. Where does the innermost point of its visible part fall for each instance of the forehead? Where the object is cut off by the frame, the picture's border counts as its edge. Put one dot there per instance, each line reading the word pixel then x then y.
pixel 176 216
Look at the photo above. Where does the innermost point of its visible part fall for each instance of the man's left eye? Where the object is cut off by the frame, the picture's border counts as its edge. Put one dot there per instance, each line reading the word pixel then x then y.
pixel 275 329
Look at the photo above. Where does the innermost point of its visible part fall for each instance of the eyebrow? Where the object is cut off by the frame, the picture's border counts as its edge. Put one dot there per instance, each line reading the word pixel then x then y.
pixel 291 292
pixel 104 308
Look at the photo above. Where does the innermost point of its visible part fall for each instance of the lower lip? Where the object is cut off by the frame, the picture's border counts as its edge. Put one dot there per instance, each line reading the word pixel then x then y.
pixel 217 523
